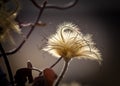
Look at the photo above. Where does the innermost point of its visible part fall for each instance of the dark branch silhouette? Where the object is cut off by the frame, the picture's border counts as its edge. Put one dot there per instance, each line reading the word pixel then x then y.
pixel 7 65
pixel 52 6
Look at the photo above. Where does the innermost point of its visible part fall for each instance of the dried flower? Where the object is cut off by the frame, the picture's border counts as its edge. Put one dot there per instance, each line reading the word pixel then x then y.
pixel 68 42
pixel 7 22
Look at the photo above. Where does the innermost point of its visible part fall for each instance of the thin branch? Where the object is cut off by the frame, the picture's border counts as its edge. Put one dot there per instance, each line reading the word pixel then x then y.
pixel 7 65
pixel 55 62
pixel 28 35
pixel 35 3
pixel 36 69
pixel 52 6
pixel 29 65
pixel 60 77
pixel 67 6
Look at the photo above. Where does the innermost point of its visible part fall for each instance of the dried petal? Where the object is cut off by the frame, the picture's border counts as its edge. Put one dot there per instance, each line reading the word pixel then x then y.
pixel 50 76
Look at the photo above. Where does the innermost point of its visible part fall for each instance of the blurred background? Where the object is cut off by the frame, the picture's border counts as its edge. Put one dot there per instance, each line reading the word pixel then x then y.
pixel 101 18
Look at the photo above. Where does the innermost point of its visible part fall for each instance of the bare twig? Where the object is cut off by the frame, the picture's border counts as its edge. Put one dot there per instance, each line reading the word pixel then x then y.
pixel 28 35
pixel 52 6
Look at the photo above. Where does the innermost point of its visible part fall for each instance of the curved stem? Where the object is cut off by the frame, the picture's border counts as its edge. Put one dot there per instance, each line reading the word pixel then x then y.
pixel 60 77
pixel 52 6
pixel 36 69
pixel 55 62
pixel 67 6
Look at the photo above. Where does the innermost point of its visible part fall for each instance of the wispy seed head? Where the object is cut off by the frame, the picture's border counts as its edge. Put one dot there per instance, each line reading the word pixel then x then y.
pixel 68 42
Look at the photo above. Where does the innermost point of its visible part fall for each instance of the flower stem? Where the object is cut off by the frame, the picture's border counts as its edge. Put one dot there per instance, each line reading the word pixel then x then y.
pixel 60 77
pixel 55 62
pixel 7 65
